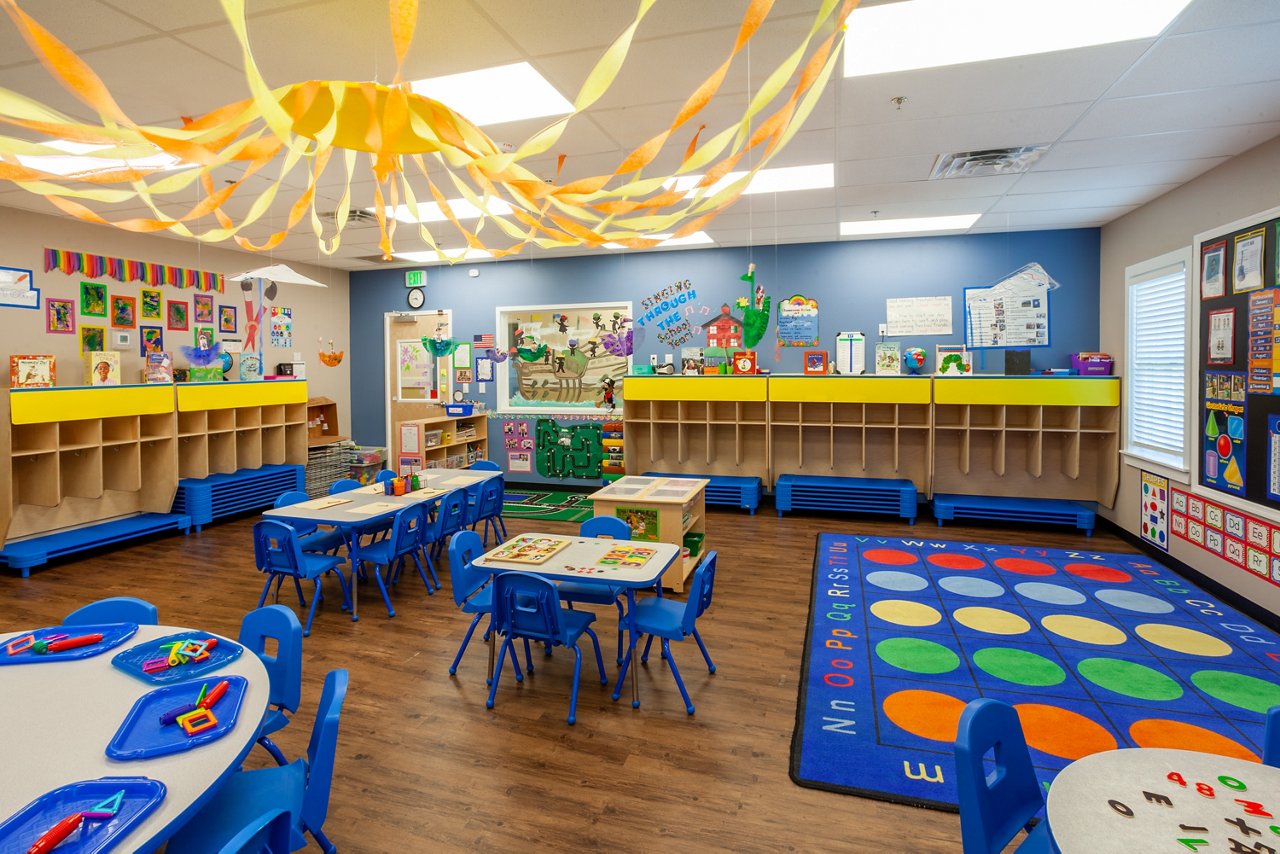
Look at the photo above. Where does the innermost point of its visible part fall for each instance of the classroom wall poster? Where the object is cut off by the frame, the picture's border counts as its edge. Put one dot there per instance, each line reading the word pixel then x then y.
pixel 520 461
pixel 1222 336
pixel 1212 270
pixel 643 522
pixel 798 322
pixel 1250 543
pixel 17 288
pixel 1223 434
pixel 1154 514
pixel 516 435
pixel 1247 271
pixel 918 316
pixel 411 438
pixel 1273 457
pixel 1011 313
pixel 1264 341
pixel 409 463
pixel 281 327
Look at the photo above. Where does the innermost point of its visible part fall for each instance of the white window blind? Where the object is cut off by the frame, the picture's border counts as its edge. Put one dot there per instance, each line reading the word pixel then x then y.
pixel 1157 367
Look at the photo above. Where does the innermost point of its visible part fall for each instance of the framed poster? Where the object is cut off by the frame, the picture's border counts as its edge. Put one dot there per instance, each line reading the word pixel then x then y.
pixel 798 322
pixel 178 320
pixel 124 312
pixel 1213 281
pixel 1222 336
pixel 151 303
pixel 1247 266
pixel 203 308
pixel 227 318
pixel 93 299
pixel 17 289
pixel 60 316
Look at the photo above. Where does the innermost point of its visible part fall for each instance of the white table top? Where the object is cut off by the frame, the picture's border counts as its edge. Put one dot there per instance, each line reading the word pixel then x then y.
pixel 1114 801
pixel 56 720
pixel 651 490
pixel 579 562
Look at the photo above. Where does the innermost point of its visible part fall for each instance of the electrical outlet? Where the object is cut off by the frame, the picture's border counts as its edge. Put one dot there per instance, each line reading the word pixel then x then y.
pixel 884 329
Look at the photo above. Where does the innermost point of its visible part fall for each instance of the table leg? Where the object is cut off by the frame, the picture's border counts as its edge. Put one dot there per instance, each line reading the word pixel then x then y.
pixel 353 554
pixel 631 644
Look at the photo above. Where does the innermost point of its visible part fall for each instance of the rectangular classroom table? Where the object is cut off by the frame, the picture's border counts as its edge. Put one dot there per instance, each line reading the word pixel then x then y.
pixel 369 506
pixel 580 561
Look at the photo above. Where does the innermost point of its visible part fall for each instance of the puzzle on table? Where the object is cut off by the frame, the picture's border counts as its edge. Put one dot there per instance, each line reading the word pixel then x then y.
pixel 531 550
pixel 627 556
pixel 1094 650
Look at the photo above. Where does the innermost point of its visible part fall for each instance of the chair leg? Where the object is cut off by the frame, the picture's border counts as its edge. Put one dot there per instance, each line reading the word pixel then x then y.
pixel 497 673
pixel 346 589
pixel 711 665
pixel 377 573
pixel 528 656
pixel 503 526
pixel 276 753
pixel 422 572
pixel 323 841
pixel 595 641
pixel 434 584
pixel 297 585
pixel 266 588
pixel 644 657
pixel 475 621
pixel 315 599
pixel 622 676
pixel 675 671
pixel 577 673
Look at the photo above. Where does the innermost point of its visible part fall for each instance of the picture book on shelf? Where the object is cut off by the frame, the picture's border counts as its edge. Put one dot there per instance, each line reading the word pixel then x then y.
pixel 32 371
pixel 888 358
pixel 102 367
pixel 158 369
pixel 250 367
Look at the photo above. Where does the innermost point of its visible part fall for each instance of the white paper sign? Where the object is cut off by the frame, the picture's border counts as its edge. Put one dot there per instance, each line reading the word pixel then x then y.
pixel 918 316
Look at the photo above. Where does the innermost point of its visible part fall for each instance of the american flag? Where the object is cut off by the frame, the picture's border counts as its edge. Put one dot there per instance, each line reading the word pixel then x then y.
pixel 485 340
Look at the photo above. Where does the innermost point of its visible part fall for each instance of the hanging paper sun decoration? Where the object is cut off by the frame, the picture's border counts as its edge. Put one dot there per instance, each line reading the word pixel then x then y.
pixel 302 127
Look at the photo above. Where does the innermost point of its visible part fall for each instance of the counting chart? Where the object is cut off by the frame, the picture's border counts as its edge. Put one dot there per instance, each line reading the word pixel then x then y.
pixel 1096 651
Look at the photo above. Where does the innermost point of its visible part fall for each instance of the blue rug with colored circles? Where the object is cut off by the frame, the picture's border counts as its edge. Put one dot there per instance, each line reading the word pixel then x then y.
pixel 1095 651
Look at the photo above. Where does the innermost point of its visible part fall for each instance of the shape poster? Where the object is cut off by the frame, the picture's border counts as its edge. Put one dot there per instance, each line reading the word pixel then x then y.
pixel 918 316
pixel 1223 432
pixel 1154 514
pixel 798 322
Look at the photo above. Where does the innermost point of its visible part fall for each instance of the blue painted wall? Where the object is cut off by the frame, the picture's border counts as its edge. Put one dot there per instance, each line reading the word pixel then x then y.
pixel 850 280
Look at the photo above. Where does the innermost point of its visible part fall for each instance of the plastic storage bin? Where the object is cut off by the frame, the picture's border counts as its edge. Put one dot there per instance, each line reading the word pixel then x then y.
pixel 366 456
pixel 366 474
pixel 1091 365
pixel 458 410
pixel 432 438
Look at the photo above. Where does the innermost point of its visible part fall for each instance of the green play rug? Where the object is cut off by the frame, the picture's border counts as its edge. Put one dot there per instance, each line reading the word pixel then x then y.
pixel 547 506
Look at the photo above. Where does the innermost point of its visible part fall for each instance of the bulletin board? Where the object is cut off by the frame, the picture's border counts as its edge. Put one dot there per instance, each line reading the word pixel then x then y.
pixel 1236 310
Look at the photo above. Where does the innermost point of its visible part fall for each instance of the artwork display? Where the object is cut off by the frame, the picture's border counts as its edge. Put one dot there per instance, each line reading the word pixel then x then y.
pixel 93 299
pixel 71 262
pixel 124 312
pixel 1247 270
pixel 150 340
pixel 1222 336
pixel 562 356
pixel 227 318
pixel 202 337
pixel 17 289
pixel 60 316
pixel 33 371
pixel 798 322
pixel 662 311
pixel 151 304
pixel 178 317
pixel 92 338
pixel 202 308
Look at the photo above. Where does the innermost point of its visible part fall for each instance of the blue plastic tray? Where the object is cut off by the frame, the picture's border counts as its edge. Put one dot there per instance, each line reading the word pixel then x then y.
pixel 132 659
pixel 142 737
pixel 141 796
pixel 113 634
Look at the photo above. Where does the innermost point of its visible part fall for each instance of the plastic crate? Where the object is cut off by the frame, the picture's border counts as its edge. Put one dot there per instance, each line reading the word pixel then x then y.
pixel 367 456
pixel 1091 366
pixel 458 410
pixel 366 474
pixel 432 438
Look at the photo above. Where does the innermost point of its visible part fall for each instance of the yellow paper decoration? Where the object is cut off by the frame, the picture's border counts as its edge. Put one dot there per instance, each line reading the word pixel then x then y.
pixel 402 135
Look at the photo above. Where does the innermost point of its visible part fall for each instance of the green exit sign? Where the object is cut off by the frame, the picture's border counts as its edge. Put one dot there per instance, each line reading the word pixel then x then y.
pixel 415 278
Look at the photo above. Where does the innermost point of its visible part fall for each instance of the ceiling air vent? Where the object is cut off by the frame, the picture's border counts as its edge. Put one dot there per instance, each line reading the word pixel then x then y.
pixel 992 161
pixel 355 217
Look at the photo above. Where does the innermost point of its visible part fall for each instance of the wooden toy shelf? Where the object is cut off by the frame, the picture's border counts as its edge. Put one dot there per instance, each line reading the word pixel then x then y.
pixel 703 425
pixel 76 457
pixel 678 509
pixel 450 451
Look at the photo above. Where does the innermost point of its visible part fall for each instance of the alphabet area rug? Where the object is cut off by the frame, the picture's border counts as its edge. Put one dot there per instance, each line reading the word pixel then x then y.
pixel 1094 650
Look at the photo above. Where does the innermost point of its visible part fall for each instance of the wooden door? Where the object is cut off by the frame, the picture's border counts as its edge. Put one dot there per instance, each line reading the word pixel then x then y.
pixel 417 384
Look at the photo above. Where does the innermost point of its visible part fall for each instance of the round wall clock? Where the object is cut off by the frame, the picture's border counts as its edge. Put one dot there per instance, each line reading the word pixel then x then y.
pixel 417 298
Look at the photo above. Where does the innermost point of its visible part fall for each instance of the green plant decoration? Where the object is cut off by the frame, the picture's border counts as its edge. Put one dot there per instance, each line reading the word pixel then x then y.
pixel 755 309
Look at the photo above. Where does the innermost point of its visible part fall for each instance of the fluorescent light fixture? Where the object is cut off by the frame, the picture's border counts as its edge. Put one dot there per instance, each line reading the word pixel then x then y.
pixel 783 179
pixel 431 212
pixel 916 225
pixel 490 96
pixel 72 164
pixel 932 33
pixel 432 257
pixel 698 238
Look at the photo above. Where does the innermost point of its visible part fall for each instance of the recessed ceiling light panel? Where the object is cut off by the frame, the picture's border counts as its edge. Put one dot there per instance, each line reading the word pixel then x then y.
pixel 914 225
pixel 490 96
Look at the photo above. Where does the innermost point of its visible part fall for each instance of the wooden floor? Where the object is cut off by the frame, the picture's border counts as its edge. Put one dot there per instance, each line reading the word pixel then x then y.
pixel 423 766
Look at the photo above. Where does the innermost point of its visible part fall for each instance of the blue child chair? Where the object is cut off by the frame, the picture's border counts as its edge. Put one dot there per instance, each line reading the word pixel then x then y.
pixel 599 594
pixel 486 465
pixel 269 833
pixel 343 484
pixel 671 620
pixel 277 553
pixel 488 509
pixel 994 807
pixel 312 538
pixel 284 669
pixel 301 787
pixel 451 517
pixel 117 609
pixel 1271 741
pixel 527 606
pixel 471 591
pixel 391 551
pixel 384 475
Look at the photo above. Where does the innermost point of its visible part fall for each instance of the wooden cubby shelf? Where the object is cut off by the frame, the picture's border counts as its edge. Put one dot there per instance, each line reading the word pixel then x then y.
pixel 1005 436
pixel 463 440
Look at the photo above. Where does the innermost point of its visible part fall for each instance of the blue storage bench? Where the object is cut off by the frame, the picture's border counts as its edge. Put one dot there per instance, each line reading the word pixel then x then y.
pixel 895 497
pixel 732 490
pixel 1005 509
pixel 25 554
pixel 207 498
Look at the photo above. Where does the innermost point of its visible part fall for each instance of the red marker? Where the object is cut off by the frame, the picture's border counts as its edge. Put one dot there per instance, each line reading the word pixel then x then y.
pixel 73 643
pixel 55 835
pixel 211 699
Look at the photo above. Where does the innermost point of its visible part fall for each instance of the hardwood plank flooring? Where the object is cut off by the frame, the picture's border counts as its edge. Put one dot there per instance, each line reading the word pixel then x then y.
pixel 423 766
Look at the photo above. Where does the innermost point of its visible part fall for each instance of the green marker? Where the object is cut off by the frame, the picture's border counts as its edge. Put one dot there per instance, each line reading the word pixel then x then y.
pixel 40 647
pixel 203 688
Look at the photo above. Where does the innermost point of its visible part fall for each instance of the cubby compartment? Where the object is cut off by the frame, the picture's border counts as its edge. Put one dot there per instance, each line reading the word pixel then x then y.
pixel 847 414
pixel 272 415
pixel 1098 419
pixel 784 412
pixel 881 414
pixel 815 413
pixel 79 434
pixel 719 410
pixel 193 456
pixel 249 416
pixel 222 453
pixel 950 417
pixel 986 417
pixel 120 429
pixel 665 410
pixel 35 480
pixel 273 445
pixel 34 439
pixel 1060 418
pixel 192 423
pixel 1022 417
pixel 80 472
pixel 693 411
pixel 122 468
pixel 295 444
pixel 752 412
pixel 913 414
pixel 248 449
pixel 295 413
pixel 221 420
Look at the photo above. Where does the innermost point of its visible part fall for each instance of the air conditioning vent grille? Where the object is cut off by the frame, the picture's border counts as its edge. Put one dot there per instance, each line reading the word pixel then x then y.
pixel 991 161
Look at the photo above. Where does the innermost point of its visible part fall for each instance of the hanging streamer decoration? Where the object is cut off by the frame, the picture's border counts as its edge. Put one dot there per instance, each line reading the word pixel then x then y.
pixel 290 134
pixel 439 347
pixel 125 270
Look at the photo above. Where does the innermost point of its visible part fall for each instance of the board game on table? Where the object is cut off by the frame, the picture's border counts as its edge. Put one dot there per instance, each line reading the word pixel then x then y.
pixel 1095 651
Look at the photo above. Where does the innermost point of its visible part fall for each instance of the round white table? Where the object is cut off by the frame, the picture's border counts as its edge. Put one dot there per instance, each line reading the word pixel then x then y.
pixel 1148 799
pixel 57 718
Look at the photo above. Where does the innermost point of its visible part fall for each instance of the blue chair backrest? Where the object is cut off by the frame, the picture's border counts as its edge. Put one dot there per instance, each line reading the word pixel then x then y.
pixel 453 512
pixel 406 528
pixel 605 526
pixel 275 547
pixel 464 547
pixel 292 497
pixel 344 484
pixel 385 475
pixel 284 669
pixel 322 749
pixel 117 609
pixel 1271 741
pixel 993 808
pixel 486 465
pixel 527 606
pixel 269 833
pixel 700 590
pixel 491 493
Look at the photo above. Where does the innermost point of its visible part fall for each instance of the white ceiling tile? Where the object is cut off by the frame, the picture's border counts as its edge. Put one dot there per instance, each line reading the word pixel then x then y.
pixel 1133 175
pixel 1225 57
pixel 1214 14
pixel 89 25
pixel 1081 217
pixel 913 191
pixel 958 133
pixel 1251 103
pixel 1115 197
pixel 1156 147
pixel 894 209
